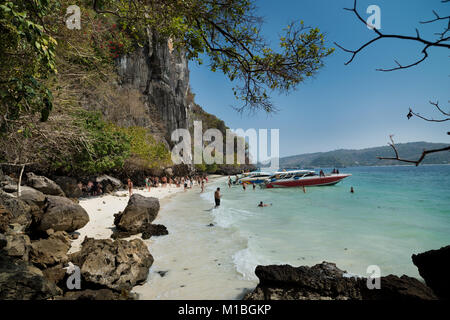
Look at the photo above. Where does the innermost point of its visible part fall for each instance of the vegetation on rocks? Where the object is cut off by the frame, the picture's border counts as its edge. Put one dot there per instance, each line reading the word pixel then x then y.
pixel 53 79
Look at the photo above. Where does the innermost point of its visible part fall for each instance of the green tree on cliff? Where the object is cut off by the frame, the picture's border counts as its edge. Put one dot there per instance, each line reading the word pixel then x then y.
pixel 229 33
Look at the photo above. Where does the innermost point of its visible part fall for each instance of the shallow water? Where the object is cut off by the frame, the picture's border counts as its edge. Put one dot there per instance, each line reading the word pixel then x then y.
pixel 394 212
pixel 195 260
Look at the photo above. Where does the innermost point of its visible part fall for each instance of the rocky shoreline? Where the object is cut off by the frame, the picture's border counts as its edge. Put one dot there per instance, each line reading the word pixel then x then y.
pixel 325 281
pixel 36 233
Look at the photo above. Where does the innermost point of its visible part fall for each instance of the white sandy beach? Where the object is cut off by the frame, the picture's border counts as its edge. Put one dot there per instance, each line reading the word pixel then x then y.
pixel 101 211
pixel 194 261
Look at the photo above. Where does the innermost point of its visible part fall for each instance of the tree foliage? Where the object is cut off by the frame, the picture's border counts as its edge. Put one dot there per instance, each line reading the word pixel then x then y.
pixel 229 34
pixel 27 53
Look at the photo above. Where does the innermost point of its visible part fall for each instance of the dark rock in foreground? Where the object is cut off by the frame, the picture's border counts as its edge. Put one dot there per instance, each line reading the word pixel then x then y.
pixel 137 217
pixel 147 232
pixel 18 245
pixel 3 241
pixel 15 210
pixel 19 280
pixel 117 265
pixel 327 282
pixel 49 252
pixel 5 217
pixel 101 294
pixel 433 267
pixel 62 214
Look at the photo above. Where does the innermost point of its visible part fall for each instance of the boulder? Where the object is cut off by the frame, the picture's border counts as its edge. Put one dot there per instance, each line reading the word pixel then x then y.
pixel 20 280
pixel 321 282
pixel 398 288
pixel 49 252
pixel 5 217
pixel 325 281
pixel 44 184
pixel 139 213
pixel 154 230
pixel 101 294
pixel 32 196
pixel 21 211
pixel 62 214
pixel 3 241
pixel 433 268
pixel 117 265
pixel 56 274
pixel 168 172
pixel 147 232
pixel 7 180
pixel 69 186
pixel 18 246
pixel 109 184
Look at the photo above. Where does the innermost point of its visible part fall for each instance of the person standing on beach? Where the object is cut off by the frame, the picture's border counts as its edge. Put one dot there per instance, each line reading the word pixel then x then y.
pixel 130 187
pixel 147 183
pixel 229 182
pixel 244 186
pixel 217 197
pixel 203 185
pixel 254 186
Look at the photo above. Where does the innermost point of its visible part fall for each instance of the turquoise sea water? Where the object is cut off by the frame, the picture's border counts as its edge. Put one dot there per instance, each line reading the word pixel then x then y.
pixel 394 212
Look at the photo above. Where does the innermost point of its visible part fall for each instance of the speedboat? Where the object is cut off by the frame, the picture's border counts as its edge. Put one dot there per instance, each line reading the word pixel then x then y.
pixel 302 178
pixel 255 177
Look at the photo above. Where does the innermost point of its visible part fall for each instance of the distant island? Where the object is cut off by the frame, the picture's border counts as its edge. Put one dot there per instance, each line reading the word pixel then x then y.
pixel 366 157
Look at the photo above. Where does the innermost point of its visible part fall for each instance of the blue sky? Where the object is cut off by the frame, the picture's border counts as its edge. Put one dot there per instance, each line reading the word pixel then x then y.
pixel 351 106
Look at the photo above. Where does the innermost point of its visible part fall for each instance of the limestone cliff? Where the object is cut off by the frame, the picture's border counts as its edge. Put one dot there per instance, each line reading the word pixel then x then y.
pixel 158 77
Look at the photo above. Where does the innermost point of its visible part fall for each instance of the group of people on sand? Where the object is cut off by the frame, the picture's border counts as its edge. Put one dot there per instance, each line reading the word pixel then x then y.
pixel 187 182
pixel 92 188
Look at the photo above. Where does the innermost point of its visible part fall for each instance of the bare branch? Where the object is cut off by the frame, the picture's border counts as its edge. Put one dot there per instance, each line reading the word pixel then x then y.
pixel 442 42
pixel 436 105
pixel 416 162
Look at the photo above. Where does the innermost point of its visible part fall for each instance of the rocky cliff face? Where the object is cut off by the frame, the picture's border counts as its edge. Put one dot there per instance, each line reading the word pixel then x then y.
pixel 158 77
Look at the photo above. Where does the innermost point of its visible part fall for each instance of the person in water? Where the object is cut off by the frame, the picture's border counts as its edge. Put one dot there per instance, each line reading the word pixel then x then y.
pixel 351 190
pixel 217 197
pixel 262 204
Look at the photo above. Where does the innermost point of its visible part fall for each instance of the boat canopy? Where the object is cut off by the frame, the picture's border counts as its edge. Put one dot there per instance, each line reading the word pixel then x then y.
pixel 292 174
